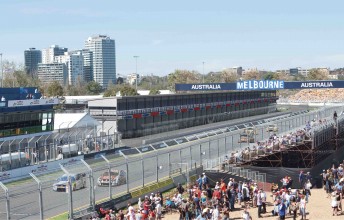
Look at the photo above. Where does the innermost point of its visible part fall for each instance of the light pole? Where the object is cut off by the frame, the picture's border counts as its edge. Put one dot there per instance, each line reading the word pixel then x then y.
pixel 203 72
pixel 136 78
pixel 2 74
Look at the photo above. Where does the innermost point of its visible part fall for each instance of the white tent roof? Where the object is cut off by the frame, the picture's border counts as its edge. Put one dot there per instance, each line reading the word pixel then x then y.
pixel 74 120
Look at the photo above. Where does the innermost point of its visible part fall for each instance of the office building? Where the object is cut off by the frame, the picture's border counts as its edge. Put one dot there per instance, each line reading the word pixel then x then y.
pixel 50 72
pixel 104 59
pixel 32 58
pixel 236 69
pixel 48 54
pixel 88 64
pixel 74 62
pixel 131 79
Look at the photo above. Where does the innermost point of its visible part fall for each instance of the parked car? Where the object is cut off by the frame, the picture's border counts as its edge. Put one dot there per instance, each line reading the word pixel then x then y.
pixel 118 177
pixel 78 182
pixel 272 128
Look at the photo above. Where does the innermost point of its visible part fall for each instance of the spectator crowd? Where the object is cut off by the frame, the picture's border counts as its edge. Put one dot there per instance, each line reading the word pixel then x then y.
pixel 318 95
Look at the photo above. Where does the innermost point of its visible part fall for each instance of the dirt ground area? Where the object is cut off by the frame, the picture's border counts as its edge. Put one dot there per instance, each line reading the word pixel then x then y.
pixel 318 208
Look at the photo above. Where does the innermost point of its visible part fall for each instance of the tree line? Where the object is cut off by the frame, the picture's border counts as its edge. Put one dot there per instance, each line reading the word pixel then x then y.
pixel 18 78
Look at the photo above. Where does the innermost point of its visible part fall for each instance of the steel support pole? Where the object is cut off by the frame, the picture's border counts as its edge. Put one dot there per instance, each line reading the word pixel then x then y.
pixel 191 158
pixel 232 142
pixel 218 148
pixel 143 172
pixel 169 164
pixel 127 166
pixel 181 161
pixel 7 194
pixel 40 195
pixel 200 153
pixel 70 198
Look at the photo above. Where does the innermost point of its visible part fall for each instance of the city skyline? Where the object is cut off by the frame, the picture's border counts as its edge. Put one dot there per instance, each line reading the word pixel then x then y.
pixel 182 35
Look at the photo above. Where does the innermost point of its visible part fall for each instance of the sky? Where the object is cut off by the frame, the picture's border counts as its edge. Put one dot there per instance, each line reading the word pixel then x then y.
pixel 182 34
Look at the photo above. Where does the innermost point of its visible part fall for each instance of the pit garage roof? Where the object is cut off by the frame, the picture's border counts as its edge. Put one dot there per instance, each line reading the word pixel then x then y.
pixel 74 120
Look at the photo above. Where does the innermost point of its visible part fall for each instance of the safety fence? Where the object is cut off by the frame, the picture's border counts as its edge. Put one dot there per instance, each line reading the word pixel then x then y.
pixel 87 183
pixel 23 152
pixel 250 175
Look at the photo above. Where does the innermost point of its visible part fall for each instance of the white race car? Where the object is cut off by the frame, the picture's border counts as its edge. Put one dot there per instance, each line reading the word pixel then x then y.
pixel 78 182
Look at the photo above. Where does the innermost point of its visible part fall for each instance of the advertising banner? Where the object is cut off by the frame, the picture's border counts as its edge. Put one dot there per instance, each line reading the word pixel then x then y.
pixel 37 169
pixel 32 102
pixel 261 85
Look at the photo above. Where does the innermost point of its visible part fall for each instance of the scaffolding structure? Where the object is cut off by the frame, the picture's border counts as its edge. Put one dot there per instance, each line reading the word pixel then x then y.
pixel 305 154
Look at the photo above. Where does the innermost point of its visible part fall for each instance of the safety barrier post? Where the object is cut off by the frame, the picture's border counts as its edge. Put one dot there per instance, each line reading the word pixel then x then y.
pixel 92 194
pixel 7 194
pixel 40 196
pixel 110 178
pixel 70 194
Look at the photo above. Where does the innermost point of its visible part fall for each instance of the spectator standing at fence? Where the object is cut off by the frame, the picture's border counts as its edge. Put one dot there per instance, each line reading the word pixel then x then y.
pixel 324 177
pixel 199 182
pixel 263 195
pixel 180 188
pixel 308 176
pixel 205 180
pixel 284 182
pixel 245 194
pixel 302 178
pixel 307 189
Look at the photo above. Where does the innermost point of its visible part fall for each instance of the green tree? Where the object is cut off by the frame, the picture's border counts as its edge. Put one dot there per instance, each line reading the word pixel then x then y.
pixel 54 89
pixel 183 76
pixel 318 74
pixel 127 90
pixel 19 78
pixel 154 92
pixel 252 75
pixel 299 77
pixel 93 88
pixel 79 88
pixel 124 89
pixel 269 76
pixel 229 76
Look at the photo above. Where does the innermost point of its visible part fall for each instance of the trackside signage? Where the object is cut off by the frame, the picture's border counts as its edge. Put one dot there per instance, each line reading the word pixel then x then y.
pixel 32 102
pixel 40 169
pixel 260 84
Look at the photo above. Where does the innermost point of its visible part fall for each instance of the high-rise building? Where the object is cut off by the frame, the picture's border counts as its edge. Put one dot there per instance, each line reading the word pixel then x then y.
pixel 50 72
pixel 48 54
pixel 74 62
pixel 88 65
pixel 104 59
pixel 32 58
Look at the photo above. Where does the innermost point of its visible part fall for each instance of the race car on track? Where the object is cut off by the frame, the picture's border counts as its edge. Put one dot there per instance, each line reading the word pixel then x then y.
pixel 78 182
pixel 118 177
pixel 272 128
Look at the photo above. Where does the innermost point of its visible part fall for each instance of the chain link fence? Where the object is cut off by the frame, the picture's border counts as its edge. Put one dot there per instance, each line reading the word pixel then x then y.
pixel 77 186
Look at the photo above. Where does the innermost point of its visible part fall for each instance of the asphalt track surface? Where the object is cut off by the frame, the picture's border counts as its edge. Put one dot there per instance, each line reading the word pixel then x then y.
pixel 24 197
